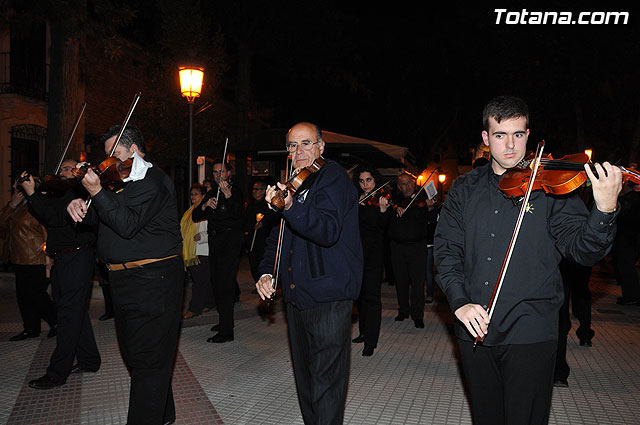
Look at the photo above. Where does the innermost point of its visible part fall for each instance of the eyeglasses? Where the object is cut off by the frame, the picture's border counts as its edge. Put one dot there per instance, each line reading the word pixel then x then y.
pixel 306 145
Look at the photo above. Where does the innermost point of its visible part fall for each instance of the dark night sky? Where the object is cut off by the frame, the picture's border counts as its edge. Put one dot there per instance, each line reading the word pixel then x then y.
pixel 415 75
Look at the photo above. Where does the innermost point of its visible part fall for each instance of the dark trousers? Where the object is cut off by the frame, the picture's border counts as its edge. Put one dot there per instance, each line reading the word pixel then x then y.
pixel 71 286
pixel 370 302
pixel 33 300
pixel 201 290
pixel 575 278
pixel 429 271
pixel 509 384
pixel 103 279
pixel 148 305
pixel 409 271
pixel 320 351
pixel 224 254
pixel 626 251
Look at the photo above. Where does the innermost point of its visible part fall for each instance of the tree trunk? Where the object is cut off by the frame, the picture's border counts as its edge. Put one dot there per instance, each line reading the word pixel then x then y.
pixel 66 94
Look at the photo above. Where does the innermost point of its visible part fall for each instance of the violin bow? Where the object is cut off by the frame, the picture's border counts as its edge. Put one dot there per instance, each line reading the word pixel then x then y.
pixel 136 98
pixel 224 167
pixel 507 258
pixel 73 132
pixel 373 192
pixel 276 263
pixel 421 188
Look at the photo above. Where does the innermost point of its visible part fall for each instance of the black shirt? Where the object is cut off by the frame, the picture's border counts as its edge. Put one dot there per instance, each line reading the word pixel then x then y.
pixel 62 232
pixel 226 216
pixel 140 222
pixel 472 236
pixel 412 226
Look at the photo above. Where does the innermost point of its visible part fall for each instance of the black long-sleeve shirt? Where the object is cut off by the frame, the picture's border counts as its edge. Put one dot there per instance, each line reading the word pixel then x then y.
pixel 140 222
pixel 411 227
pixel 62 233
pixel 226 216
pixel 472 236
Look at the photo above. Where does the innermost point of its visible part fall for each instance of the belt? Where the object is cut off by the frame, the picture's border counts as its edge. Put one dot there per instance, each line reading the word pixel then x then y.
pixel 136 264
pixel 64 252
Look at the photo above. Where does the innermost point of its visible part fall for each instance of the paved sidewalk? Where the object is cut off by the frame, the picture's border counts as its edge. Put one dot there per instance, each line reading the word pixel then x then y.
pixel 413 377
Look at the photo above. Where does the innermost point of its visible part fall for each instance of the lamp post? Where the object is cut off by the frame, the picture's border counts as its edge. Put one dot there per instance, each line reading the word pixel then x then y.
pixel 441 179
pixel 190 86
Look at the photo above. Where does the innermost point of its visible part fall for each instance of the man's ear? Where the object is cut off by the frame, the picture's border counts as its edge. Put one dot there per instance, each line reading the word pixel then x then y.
pixel 485 138
pixel 321 146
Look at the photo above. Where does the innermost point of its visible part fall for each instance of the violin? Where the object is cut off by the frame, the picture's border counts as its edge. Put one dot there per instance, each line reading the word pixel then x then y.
pixel 555 176
pixel 374 200
pixel 112 171
pixel 300 180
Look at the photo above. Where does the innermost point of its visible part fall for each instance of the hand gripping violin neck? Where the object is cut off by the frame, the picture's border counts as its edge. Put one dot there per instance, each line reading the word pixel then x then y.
pixel 299 181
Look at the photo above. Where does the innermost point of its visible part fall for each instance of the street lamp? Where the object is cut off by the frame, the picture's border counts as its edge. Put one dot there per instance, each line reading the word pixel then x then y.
pixel 191 87
pixel 441 179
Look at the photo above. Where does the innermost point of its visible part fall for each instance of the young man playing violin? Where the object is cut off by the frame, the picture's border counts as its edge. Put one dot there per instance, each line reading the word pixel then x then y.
pixel 321 273
pixel 140 242
pixel 509 374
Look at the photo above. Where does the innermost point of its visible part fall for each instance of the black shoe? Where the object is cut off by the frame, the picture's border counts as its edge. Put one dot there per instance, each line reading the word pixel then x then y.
pixel 52 332
pixel 22 336
pixel 169 422
pixel 219 338
pixel 105 316
pixel 367 351
pixel 44 383
pixel 215 327
pixel 79 369
pixel 358 339
pixel 419 323
pixel 560 383
pixel 400 317
pixel 626 301
pixel 586 341
pixel 428 300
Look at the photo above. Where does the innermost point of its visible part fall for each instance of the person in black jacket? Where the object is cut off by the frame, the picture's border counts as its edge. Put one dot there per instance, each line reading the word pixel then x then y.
pixel 222 207
pixel 373 216
pixel 256 231
pixel 139 240
pixel 408 234
pixel 509 375
pixel 321 274
pixel 71 247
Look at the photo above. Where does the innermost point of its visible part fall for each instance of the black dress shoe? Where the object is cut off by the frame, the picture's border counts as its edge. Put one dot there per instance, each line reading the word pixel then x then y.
pixel 44 383
pixel 169 422
pixel 418 323
pixel 215 327
pixel 586 341
pixel 105 316
pixel 428 300
pixel 23 335
pixel 358 339
pixel 79 369
pixel 52 332
pixel 560 383
pixel 367 351
pixel 219 338
pixel 400 317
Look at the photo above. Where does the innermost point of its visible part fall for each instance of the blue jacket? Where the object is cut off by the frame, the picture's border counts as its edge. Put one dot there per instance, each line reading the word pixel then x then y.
pixel 321 258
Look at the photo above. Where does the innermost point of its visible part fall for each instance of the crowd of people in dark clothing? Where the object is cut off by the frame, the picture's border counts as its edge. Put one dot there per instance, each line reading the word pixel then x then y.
pixel 131 241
